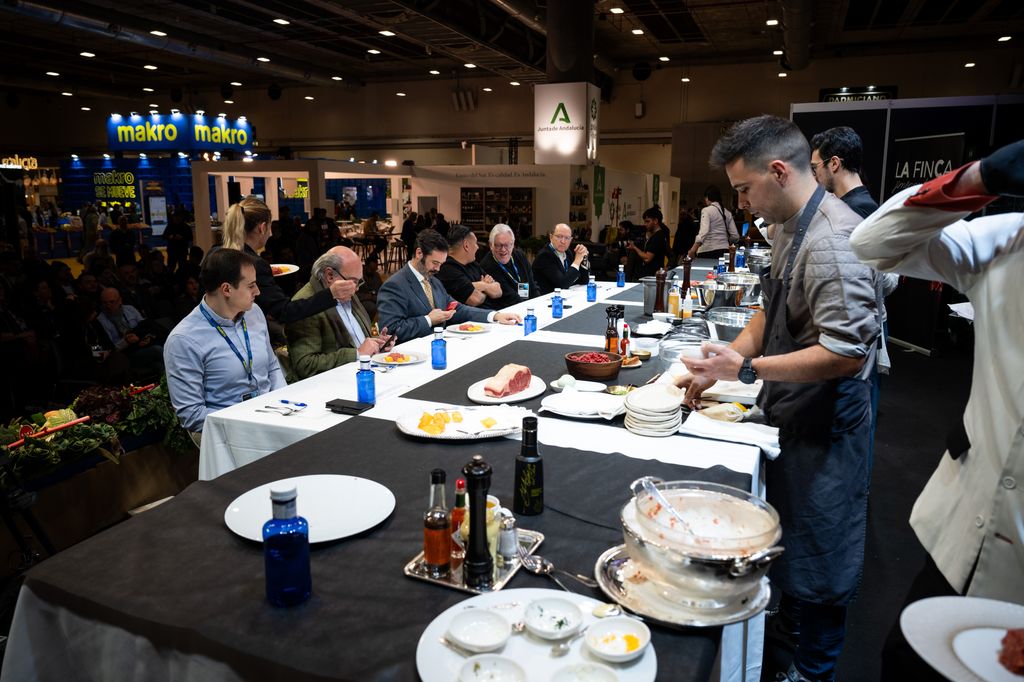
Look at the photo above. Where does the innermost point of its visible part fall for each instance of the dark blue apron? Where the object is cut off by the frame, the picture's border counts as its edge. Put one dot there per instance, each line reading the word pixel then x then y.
pixel 819 484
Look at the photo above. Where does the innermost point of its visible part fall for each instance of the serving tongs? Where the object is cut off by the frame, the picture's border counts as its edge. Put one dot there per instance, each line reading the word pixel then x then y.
pixel 649 485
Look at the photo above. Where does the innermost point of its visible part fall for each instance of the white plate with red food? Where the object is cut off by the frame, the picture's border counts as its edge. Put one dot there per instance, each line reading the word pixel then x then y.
pixel 463 423
pixel 469 328
pixel 512 384
pixel 278 269
pixel 396 358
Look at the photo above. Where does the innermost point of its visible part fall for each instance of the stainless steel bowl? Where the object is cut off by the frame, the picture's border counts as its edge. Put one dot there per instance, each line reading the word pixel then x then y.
pixel 729 322
pixel 758 264
pixel 715 295
pixel 750 283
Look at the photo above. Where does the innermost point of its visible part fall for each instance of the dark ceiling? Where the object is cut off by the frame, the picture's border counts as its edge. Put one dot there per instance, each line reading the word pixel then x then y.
pixel 209 45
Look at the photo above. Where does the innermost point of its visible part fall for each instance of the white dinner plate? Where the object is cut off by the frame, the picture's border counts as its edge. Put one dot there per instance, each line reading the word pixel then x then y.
pixel 655 398
pixel 477 395
pixel 932 625
pixel 584 405
pixel 279 269
pixel 414 358
pixel 455 328
pixel 978 649
pixel 509 420
pixel 335 506
pixel 437 663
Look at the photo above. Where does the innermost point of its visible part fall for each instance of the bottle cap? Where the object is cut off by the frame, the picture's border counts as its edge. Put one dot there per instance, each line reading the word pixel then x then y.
pixel 437 476
pixel 529 423
pixel 364 358
pixel 593 278
pixel 438 330
pixel 529 311
pixel 283 494
pixel 558 291
pixel 460 485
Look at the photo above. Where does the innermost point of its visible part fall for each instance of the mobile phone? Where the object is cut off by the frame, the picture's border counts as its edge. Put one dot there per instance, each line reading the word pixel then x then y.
pixel 341 406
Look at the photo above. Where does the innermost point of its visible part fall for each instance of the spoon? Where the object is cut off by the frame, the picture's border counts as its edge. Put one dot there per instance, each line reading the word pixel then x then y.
pixel 538 565
pixel 648 485
pixel 562 648
pixel 455 647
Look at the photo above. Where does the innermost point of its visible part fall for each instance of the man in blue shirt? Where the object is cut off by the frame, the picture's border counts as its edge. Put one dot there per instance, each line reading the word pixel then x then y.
pixel 220 353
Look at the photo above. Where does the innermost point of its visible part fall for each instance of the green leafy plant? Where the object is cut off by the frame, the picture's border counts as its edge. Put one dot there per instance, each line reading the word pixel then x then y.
pixel 40 456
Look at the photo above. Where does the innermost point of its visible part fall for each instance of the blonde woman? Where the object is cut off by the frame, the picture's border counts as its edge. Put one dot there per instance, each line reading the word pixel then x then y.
pixel 247 228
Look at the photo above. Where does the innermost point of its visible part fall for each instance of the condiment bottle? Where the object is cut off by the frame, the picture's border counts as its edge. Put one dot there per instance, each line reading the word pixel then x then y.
pixel 620 276
pixel 687 306
pixel 365 387
pixel 458 513
pixel 437 541
pixel 592 289
pixel 732 258
pixel 659 293
pixel 673 302
pixel 556 304
pixel 438 350
pixel 529 492
pixel 478 566
pixel 624 348
pixel 529 322
pixel 611 333
pixel 508 540
pixel 286 551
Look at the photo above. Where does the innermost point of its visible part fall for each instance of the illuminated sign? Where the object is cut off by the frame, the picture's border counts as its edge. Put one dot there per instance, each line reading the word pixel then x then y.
pixel 565 123
pixel 857 93
pixel 23 162
pixel 114 184
pixel 178 132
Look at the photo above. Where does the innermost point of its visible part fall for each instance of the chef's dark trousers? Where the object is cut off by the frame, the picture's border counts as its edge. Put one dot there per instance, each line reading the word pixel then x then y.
pixel 820 630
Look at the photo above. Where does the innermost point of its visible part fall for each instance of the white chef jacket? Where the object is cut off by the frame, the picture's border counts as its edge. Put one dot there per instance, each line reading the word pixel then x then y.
pixel 971 508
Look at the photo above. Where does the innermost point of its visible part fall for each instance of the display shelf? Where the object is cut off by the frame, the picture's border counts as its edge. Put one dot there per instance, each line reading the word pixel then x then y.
pixel 482 208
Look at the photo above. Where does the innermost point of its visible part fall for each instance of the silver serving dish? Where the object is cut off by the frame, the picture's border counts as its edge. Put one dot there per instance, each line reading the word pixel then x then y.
pixel 750 282
pixel 529 541
pixel 729 322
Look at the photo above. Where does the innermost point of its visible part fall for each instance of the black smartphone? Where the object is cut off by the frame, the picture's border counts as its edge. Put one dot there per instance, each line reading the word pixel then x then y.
pixel 347 406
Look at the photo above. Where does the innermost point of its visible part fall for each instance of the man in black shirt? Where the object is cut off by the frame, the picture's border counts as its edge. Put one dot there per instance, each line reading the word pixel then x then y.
pixel 508 266
pixel 462 276
pixel 652 255
pixel 835 161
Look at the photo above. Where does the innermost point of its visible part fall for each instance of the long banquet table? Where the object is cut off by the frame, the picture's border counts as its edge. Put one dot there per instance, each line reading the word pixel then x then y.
pixel 173 594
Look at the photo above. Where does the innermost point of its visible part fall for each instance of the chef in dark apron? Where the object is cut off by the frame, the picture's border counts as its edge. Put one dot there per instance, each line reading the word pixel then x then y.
pixel 813 346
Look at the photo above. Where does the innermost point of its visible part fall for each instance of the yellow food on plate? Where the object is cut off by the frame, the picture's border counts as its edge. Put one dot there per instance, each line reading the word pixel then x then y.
pixel 396 357
pixel 630 361
pixel 470 327
pixel 435 423
pixel 488 422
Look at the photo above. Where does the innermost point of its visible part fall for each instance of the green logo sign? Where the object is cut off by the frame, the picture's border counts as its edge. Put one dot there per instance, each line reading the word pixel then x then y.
pixel 565 114
pixel 593 109
pixel 598 190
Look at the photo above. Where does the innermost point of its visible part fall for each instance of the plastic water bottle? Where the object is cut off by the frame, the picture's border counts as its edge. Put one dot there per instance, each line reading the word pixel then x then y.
pixel 741 258
pixel 365 387
pixel 286 551
pixel 438 350
pixel 556 304
pixel 721 265
pixel 592 289
pixel 620 278
pixel 529 322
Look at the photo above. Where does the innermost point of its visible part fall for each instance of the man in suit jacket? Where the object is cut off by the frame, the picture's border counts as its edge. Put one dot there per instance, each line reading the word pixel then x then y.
pixel 509 266
pixel 339 334
pixel 554 268
pixel 413 301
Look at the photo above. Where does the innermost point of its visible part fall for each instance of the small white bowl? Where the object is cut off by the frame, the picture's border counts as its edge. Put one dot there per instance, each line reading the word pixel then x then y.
pixel 479 630
pixel 553 618
pixel 585 672
pixel 618 639
pixel 492 668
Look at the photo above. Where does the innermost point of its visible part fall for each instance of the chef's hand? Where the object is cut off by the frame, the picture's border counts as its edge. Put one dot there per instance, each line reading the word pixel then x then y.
pixel 438 316
pixel 508 318
pixel 695 387
pixel 342 289
pixel 719 362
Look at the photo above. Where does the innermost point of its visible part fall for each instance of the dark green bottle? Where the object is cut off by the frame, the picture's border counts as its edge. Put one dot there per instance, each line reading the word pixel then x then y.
pixel 528 498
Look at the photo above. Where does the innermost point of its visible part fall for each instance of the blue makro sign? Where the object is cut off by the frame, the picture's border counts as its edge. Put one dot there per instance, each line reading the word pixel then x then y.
pixel 177 132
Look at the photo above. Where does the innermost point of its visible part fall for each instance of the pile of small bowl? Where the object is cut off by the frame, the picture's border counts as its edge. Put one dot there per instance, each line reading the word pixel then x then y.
pixel 654 410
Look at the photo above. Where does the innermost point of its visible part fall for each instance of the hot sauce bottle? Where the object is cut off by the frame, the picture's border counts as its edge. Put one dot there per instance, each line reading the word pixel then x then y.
pixel 437 539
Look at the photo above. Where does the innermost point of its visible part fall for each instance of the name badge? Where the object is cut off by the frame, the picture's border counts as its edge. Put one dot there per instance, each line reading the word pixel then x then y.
pixel 524 290
pixel 249 396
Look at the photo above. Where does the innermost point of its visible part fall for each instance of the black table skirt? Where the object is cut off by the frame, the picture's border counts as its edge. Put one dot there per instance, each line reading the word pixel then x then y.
pixel 177 576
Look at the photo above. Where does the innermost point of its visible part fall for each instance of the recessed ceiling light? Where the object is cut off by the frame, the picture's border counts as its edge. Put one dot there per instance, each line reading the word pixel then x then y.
pixel 263 59
pixel 1003 39
pixel 154 106
pixel 638 31
pixel 236 84
pixel 969 65
pixel 199 112
pixel 616 10
pixel 154 112
pixel 52 73
pixel 336 78
pixel 513 82
pixel 772 22
pixel 386 34
pixel 283 22
pixel 229 101
pixel 150 67
pixel 373 51
pixel 351 159
pixel 86 109
pixel 87 54
pixel 684 80
pixel 400 94
pixel 662 59
pixel 222 115
pixel 106 156
pixel 470 65
pixel 782 74
pixel 74 156
pixel 159 34
pixel 147 89
pixel 309 97
pixel 435 72
pixel 487 90
pixel 871 87
pixel 777 53
pixel 390 163
pixel 67 94
pixel 142 155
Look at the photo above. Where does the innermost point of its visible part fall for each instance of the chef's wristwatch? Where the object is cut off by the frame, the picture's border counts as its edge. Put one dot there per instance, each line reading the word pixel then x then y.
pixel 748 374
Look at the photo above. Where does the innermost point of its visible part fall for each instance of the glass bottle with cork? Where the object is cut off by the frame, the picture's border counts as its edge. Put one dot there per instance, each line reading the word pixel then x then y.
pixel 286 551
pixel 529 492
pixel 611 333
pixel 437 539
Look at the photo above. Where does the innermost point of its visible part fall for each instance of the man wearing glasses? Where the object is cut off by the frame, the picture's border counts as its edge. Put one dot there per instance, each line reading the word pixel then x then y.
pixel 835 161
pixel 337 335
pixel 508 265
pixel 555 268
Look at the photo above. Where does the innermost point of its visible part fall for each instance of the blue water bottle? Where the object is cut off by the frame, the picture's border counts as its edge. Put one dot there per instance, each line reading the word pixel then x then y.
pixel 438 350
pixel 365 387
pixel 529 322
pixel 741 258
pixel 286 551
pixel 556 304
pixel 620 278
pixel 592 289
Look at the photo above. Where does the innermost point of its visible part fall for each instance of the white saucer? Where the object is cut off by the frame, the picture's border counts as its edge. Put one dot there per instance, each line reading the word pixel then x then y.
pixel 979 649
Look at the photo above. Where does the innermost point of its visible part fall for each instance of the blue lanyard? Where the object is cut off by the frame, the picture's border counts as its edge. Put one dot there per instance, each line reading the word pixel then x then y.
pixel 248 349
pixel 512 260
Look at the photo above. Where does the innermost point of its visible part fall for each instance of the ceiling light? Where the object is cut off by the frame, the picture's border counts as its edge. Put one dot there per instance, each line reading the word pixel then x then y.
pixel 513 82
pixel 662 59
pixel 182 155
pixel 154 112
pixel 337 78
pixel 106 156
pixel 142 155
pixel 772 22
pixel 638 31
pixel 375 160
pixel 309 97
pixel 283 22
pixel 871 87
pixel 351 159
pixel 386 34
pixel 400 94
pixel 229 101
pixel 154 106
pixel 236 84
pixel 248 152
pixel 777 53
pixel 390 163
pixel 263 59
pixel 373 51
pixel 616 10
pixel 74 156
pixel 222 115
pixel 150 67
pixel 487 90
pixel 67 94
pixel 147 89
pixel 969 65
pixel 241 118
pixel 435 72
pixel 159 34
pixel 1004 39
pixel 86 109
pixel 782 74
pixel 175 111
pixel 684 80
pixel 247 159
pixel 87 54
pixel 52 73
pixel 199 112
pixel 470 66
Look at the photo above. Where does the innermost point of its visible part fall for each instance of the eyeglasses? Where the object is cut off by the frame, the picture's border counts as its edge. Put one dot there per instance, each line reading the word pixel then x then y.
pixel 562 237
pixel 816 166
pixel 358 280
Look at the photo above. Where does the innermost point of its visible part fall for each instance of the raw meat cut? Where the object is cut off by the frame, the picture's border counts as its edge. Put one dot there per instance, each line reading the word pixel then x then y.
pixel 509 379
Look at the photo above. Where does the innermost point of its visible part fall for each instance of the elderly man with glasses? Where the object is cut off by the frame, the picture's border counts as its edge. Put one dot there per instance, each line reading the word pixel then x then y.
pixel 555 268
pixel 337 335
pixel 509 266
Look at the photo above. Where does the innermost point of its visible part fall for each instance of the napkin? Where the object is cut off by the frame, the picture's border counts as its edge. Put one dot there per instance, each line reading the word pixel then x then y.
pixel 570 402
pixel 654 327
pixel 761 435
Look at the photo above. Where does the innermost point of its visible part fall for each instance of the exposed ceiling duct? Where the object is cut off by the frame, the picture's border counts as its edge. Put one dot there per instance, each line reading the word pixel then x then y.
pixel 797 22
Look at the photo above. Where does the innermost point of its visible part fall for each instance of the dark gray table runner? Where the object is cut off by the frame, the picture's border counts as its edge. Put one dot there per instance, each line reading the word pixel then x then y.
pixel 179 577
pixel 634 295
pixel 594 320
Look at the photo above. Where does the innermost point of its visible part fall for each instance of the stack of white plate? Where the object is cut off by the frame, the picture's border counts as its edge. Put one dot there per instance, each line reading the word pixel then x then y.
pixel 654 410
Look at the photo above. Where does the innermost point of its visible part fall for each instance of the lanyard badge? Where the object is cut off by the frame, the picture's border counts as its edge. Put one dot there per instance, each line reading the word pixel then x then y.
pixel 246 365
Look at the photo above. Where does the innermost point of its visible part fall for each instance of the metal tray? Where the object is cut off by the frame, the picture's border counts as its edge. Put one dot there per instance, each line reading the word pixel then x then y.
pixel 529 541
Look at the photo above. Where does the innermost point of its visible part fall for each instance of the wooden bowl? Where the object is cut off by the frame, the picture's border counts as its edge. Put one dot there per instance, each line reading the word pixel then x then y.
pixel 593 370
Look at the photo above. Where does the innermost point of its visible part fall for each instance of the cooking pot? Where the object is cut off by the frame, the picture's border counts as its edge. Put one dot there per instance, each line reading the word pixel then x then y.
pixel 713 554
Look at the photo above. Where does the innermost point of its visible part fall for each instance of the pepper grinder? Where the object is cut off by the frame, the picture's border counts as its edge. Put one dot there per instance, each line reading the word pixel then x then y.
pixel 478 566
pixel 732 258
pixel 687 266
